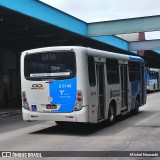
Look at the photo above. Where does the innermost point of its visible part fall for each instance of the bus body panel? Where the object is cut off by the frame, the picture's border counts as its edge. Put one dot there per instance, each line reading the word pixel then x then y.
pixel 135 90
pixel 82 75
pixel 113 94
pixel 92 104
pixel 63 94
pixel 36 96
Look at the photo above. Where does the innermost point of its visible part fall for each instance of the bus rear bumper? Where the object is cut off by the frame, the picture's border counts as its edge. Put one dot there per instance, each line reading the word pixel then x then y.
pixel 75 116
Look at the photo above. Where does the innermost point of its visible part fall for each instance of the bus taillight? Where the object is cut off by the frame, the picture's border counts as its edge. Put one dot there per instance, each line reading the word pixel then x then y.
pixel 79 100
pixel 24 101
pixel 23 94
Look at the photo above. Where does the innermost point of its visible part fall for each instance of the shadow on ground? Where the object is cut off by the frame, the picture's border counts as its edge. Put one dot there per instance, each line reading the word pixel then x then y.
pixel 81 129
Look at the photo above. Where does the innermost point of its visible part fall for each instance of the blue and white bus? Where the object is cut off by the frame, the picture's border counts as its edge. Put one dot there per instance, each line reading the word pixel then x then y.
pixel 153 79
pixel 78 84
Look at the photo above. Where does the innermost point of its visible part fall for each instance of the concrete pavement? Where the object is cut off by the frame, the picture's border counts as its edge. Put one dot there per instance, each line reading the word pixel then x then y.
pixel 8 113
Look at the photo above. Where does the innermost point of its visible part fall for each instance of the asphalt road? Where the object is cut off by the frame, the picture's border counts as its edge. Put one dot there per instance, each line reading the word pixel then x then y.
pixel 132 133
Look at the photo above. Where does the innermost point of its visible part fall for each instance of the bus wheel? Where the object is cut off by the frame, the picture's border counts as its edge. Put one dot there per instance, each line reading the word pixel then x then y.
pixel 111 115
pixel 136 109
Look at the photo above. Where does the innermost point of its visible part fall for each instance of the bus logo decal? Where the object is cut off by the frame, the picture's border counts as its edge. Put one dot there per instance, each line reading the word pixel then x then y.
pixel 37 86
pixel 61 91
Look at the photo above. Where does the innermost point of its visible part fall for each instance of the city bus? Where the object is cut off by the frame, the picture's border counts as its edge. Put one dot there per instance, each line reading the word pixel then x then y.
pixel 78 84
pixel 153 80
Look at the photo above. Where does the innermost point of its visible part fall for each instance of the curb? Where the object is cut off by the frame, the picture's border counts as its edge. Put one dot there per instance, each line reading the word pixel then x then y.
pixel 10 113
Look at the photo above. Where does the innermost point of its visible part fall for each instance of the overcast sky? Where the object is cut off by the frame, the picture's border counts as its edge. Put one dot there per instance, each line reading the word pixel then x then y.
pixel 105 10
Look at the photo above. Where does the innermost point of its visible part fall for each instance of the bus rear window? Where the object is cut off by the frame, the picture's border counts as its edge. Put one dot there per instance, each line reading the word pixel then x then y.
pixel 48 65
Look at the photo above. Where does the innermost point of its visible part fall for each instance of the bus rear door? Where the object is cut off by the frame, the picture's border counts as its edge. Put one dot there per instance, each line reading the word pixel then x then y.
pixel 124 86
pixel 100 89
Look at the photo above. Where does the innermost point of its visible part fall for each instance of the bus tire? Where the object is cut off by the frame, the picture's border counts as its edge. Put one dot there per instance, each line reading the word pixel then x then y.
pixel 111 114
pixel 137 105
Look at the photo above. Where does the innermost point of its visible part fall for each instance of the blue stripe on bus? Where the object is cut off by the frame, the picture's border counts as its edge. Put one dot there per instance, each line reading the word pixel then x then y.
pixel 134 88
pixel 63 92
pixel 134 58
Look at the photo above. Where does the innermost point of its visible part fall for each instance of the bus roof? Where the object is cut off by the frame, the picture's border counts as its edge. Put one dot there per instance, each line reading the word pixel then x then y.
pixel 89 51
pixel 153 69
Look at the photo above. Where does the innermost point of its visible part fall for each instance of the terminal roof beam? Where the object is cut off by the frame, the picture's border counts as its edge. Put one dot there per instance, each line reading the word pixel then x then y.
pixel 64 24
pixel 113 41
pixel 45 13
pixel 124 26
pixel 144 45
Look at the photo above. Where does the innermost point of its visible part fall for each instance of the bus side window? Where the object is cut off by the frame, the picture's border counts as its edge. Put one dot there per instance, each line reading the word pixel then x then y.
pixel 112 71
pixel 91 71
pixel 134 71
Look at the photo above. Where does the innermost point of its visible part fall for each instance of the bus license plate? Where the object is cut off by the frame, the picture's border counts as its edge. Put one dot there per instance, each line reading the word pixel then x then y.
pixel 51 106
